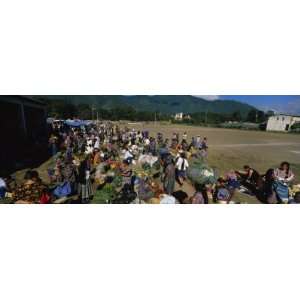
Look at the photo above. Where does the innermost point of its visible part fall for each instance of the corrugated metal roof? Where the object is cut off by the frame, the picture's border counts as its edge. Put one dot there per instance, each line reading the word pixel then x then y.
pixel 28 99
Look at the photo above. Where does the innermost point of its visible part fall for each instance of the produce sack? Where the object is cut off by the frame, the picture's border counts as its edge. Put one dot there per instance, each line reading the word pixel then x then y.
pixel 199 172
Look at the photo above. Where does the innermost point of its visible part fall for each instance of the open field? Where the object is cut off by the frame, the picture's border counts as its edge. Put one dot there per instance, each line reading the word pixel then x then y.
pixel 232 148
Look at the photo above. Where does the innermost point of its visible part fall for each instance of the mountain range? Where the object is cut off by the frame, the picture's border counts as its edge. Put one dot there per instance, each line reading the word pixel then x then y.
pixel 164 104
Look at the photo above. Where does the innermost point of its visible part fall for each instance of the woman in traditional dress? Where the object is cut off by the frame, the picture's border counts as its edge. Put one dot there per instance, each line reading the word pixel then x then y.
pixel 85 189
pixel 169 176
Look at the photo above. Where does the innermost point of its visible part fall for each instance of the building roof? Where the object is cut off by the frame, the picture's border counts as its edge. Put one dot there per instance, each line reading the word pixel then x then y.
pixel 23 99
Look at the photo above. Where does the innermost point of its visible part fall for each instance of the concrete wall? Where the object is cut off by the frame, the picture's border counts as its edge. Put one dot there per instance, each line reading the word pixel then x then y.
pixel 281 122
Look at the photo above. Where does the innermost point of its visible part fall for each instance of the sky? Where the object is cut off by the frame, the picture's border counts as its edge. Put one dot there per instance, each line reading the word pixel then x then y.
pixel 283 104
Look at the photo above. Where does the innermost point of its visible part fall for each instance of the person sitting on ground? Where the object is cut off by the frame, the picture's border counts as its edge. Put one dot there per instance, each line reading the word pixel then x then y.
pixel 251 179
pixel 3 188
pixel 232 182
pixel 45 196
pixel 31 190
pixel 181 196
pixel 200 196
pixel 268 192
pixel 221 193
pixel 284 173
pixel 283 178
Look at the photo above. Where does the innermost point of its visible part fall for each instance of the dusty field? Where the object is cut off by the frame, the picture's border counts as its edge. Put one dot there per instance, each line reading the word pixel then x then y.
pixel 231 148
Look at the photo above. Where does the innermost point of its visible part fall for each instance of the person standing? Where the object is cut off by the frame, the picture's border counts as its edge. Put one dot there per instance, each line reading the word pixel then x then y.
pixel 53 144
pixel 85 189
pixel 181 167
pixel 169 176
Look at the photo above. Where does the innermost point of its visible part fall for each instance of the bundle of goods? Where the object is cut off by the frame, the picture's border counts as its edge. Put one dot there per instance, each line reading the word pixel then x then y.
pixel 105 195
pixel 117 181
pixel 199 172
pixel 145 170
pixel 167 199
pixel 147 159
pixel 294 190
pixel 154 201
pixel 295 194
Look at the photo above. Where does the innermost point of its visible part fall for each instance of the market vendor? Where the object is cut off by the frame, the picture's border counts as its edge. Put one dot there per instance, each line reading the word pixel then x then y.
pixel 284 173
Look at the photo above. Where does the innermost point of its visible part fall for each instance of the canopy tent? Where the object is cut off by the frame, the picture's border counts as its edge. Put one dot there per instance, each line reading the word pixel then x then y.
pixel 77 123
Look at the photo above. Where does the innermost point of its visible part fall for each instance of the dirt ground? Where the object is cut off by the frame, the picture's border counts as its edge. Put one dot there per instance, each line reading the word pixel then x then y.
pixel 232 148
pixel 228 149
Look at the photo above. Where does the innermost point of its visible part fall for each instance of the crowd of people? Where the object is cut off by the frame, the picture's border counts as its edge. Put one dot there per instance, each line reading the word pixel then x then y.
pixel 104 163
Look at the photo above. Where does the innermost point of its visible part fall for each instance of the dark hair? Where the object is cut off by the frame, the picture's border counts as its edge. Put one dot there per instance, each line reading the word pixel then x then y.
pixel 35 174
pixel 221 180
pixel 269 175
pixel 246 167
pixel 287 164
pixel 28 175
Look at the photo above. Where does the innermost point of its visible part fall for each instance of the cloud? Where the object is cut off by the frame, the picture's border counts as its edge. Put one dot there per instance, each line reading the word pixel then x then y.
pixel 209 97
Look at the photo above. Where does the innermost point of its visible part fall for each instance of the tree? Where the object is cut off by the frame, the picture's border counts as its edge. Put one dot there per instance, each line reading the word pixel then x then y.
pixel 84 111
pixel 256 116
pixel 236 116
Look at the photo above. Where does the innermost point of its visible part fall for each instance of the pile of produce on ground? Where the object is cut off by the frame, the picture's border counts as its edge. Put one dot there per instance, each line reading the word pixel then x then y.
pixel 108 190
pixel 200 173
pixel 143 170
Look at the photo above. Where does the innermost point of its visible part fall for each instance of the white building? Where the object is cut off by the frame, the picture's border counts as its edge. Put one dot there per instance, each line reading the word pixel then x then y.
pixel 282 122
pixel 182 116
pixel 178 116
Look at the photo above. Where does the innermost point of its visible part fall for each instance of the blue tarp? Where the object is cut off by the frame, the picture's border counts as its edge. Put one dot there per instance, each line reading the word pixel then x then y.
pixel 77 123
